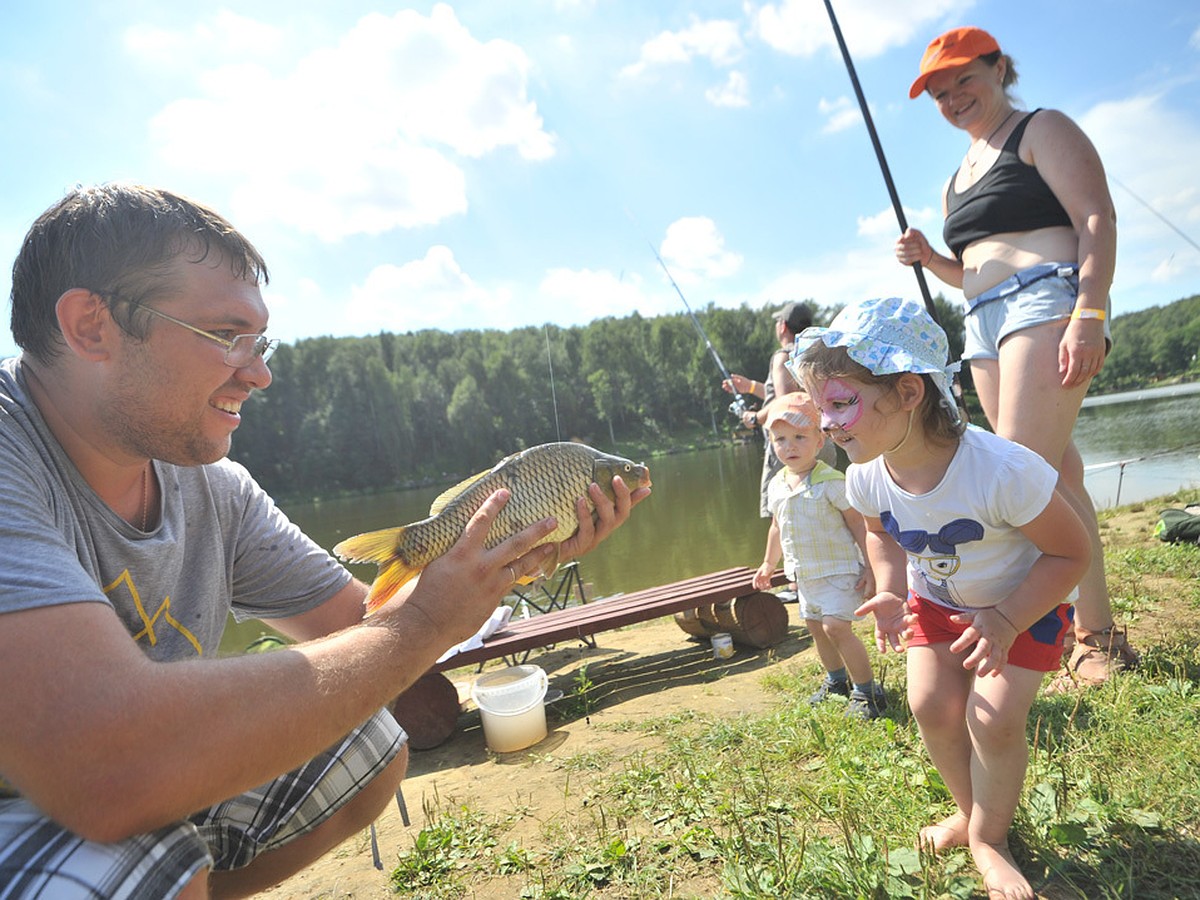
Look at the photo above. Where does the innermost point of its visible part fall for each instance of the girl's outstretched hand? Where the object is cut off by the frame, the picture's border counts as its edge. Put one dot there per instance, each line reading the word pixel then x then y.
pixel 891 620
pixel 991 635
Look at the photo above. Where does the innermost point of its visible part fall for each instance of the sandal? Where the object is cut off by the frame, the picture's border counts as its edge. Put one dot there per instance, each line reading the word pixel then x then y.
pixel 1099 654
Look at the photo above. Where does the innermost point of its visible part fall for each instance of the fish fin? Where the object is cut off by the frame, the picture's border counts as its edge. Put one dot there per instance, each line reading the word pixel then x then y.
pixel 557 559
pixel 371 546
pixel 392 576
pixel 379 547
pixel 443 499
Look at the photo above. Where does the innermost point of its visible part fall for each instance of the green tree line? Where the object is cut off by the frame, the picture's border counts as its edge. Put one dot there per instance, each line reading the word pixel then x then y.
pixel 362 414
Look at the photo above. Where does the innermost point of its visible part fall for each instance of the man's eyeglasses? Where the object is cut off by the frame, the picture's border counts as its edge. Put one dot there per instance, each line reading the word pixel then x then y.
pixel 239 352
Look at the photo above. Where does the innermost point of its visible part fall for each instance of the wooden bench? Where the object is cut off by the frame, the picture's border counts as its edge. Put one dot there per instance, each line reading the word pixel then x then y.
pixel 429 710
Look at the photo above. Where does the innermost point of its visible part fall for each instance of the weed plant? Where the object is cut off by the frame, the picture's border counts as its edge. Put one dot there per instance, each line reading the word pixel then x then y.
pixel 811 803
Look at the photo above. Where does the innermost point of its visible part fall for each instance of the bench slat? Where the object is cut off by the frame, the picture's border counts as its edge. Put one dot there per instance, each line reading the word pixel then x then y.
pixel 578 622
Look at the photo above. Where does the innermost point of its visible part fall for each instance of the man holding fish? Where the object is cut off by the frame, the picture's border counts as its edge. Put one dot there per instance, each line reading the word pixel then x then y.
pixel 133 760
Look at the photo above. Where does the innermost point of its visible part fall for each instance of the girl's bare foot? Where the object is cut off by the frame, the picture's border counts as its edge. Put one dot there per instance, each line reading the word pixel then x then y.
pixel 950 832
pixel 1001 878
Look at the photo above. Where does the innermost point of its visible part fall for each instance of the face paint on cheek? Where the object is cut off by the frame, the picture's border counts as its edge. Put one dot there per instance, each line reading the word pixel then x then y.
pixel 840 406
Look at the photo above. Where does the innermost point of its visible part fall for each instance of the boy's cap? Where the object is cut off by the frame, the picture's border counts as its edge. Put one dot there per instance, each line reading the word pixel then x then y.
pixel 796 409
pixel 956 47
pixel 888 336
pixel 796 316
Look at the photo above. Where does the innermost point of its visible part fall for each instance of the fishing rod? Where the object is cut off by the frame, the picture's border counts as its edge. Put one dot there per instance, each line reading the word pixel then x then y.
pixel 887 175
pixel 738 407
pixel 918 269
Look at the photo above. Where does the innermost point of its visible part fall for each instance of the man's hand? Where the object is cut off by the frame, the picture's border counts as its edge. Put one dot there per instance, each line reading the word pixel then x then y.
pixel 609 515
pixel 457 592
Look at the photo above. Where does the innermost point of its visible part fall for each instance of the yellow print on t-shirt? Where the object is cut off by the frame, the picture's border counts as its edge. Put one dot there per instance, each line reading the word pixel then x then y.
pixel 163 612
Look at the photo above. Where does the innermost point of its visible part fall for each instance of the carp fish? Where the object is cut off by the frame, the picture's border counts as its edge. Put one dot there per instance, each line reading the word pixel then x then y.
pixel 545 480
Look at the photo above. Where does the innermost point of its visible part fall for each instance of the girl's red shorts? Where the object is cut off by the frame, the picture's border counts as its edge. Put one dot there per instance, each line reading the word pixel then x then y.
pixel 1039 648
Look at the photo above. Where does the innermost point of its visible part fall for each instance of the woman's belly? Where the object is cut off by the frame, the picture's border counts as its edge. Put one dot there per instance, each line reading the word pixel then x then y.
pixel 988 262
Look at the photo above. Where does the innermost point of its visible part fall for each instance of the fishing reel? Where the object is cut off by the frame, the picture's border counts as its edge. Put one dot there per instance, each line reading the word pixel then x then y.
pixel 738 407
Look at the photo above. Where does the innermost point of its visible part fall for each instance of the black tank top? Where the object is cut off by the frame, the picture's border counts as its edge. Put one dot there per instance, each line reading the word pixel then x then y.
pixel 1011 196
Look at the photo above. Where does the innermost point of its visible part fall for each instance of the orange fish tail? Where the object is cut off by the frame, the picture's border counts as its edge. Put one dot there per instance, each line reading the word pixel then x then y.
pixel 392 576
pixel 379 547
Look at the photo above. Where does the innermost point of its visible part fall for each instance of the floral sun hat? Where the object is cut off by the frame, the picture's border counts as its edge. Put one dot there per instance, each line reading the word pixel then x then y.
pixel 887 336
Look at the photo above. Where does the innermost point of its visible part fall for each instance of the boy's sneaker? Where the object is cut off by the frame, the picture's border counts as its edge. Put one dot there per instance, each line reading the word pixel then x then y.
pixel 865 705
pixel 828 687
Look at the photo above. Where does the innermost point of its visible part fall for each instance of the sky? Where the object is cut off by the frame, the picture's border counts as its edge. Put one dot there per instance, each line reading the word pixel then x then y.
pixel 487 164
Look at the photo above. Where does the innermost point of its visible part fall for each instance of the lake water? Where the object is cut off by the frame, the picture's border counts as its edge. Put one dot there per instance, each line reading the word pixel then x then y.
pixel 703 513
pixel 1141 444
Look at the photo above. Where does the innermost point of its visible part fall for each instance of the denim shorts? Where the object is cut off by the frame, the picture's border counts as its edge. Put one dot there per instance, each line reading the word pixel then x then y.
pixel 40 859
pixel 832 596
pixel 1016 304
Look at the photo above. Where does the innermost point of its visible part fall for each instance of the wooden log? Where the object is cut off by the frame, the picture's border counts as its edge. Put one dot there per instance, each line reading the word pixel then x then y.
pixel 762 620
pixel 755 620
pixel 428 711
pixel 689 621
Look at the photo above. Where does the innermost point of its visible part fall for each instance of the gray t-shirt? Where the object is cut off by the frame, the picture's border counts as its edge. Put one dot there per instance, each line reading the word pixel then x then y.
pixel 221 544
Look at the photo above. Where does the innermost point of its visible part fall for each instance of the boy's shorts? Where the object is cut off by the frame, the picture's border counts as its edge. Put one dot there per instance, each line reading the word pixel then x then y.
pixel 832 595
pixel 40 859
pixel 1039 648
pixel 1031 297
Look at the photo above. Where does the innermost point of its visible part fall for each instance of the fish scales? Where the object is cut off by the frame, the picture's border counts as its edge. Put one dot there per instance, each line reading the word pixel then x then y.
pixel 545 480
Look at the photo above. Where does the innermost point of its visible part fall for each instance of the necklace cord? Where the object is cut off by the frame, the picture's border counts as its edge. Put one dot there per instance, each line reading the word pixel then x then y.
pixel 986 141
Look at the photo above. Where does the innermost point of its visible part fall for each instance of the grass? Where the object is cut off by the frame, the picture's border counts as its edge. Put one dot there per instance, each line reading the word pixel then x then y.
pixel 807 803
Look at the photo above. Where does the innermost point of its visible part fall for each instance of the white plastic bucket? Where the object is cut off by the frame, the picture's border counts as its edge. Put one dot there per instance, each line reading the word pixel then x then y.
pixel 511 705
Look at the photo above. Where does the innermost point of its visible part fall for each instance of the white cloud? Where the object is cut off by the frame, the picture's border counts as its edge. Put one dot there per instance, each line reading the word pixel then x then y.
pixel 360 135
pixel 695 251
pixel 735 92
pixel 423 293
pixel 869 27
pixel 225 34
pixel 576 297
pixel 839 114
pixel 717 40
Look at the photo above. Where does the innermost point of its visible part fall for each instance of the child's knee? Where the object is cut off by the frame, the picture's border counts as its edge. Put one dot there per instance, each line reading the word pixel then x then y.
pixel 838 630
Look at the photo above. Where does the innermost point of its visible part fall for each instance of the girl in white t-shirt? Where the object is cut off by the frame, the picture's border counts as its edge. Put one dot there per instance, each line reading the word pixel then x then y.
pixel 975 554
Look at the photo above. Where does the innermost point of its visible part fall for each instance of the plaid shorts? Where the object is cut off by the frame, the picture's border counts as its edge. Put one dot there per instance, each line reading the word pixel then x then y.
pixel 40 859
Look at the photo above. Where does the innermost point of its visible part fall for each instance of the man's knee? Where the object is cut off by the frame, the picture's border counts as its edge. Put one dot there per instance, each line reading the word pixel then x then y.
pixel 373 799
pixel 197 888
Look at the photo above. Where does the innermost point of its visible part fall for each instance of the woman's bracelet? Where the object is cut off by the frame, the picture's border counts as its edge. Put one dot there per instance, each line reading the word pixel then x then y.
pixel 1001 614
pixel 925 265
pixel 1083 312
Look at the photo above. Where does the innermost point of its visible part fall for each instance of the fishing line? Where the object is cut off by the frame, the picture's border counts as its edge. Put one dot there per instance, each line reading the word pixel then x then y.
pixel 553 395
pixel 1157 214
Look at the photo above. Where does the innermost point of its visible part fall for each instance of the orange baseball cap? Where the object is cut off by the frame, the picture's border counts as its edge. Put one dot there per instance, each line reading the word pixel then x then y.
pixel 796 409
pixel 956 47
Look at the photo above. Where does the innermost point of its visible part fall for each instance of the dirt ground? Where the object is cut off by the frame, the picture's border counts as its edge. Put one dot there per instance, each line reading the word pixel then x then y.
pixel 641 672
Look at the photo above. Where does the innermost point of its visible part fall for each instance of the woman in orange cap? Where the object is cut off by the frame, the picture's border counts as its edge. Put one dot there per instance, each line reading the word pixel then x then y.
pixel 1033 239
